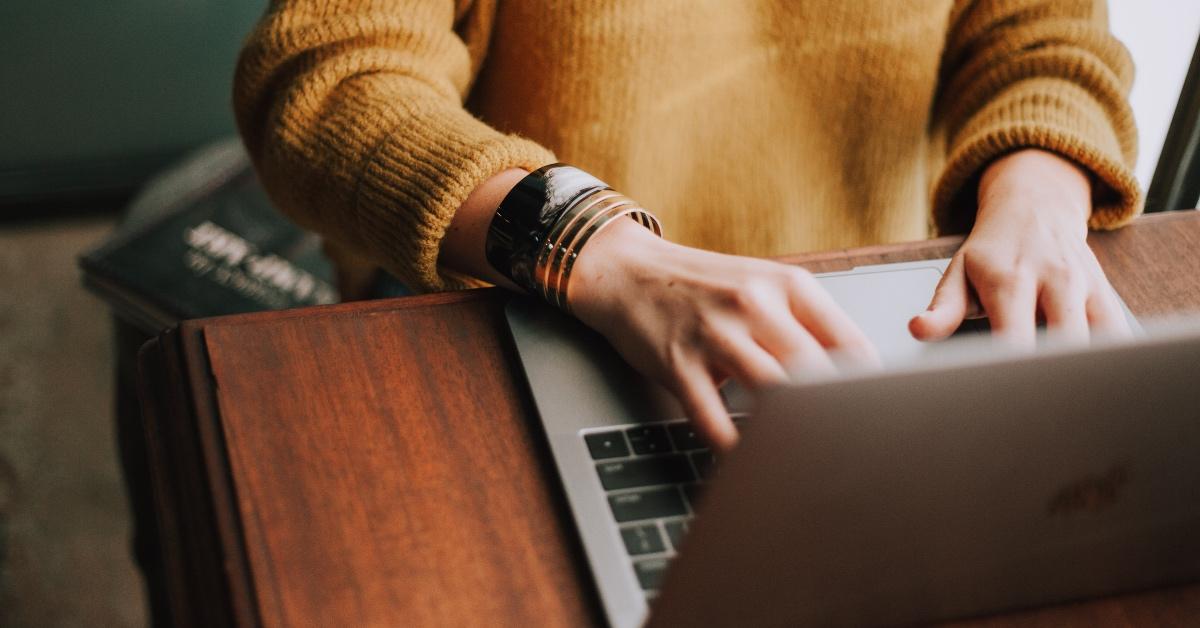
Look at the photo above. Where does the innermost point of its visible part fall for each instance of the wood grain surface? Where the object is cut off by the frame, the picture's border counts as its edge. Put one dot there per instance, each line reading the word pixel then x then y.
pixel 377 463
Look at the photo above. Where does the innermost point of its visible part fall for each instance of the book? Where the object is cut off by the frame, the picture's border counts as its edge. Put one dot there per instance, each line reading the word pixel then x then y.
pixel 203 239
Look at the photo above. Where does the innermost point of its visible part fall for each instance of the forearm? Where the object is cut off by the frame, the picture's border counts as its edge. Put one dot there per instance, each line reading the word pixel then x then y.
pixel 353 115
pixel 462 248
pixel 1056 183
pixel 1021 74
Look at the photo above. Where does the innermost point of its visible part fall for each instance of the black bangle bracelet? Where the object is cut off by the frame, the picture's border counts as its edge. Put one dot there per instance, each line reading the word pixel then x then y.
pixel 525 217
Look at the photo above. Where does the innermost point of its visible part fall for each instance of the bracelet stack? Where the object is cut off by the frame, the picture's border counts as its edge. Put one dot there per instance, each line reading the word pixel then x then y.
pixel 544 222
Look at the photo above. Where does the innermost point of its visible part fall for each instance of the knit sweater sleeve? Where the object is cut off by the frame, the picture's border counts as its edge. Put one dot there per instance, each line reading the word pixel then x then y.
pixel 1035 73
pixel 353 114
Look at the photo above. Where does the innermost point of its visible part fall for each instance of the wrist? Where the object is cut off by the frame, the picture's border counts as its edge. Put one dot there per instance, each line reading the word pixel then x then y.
pixel 1038 180
pixel 614 254
pixel 547 220
pixel 462 247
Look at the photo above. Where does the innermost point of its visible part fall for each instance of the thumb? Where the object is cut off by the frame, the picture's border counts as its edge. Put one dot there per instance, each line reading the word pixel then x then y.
pixel 948 307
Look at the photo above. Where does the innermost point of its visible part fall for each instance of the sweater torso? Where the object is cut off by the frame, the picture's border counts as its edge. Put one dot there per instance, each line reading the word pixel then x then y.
pixel 761 127
pixel 758 127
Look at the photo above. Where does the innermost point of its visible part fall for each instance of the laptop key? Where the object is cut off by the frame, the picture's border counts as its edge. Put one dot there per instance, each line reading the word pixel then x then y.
pixel 685 437
pixel 670 469
pixel 643 539
pixel 704 462
pixel 648 504
pixel 675 531
pixel 650 572
pixel 606 445
pixel 648 439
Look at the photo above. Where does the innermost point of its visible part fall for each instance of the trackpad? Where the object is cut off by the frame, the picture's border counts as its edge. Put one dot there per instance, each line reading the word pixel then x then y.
pixel 882 302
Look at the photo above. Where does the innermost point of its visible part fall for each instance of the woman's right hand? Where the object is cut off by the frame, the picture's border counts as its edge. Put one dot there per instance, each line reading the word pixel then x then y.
pixel 685 317
pixel 690 318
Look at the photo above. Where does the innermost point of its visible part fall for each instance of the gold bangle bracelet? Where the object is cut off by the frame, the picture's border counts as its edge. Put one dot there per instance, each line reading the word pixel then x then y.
pixel 570 231
pixel 543 262
pixel 562 284
pixel 543 222
pixel 562 246
pixel 553 279
pixel 638 214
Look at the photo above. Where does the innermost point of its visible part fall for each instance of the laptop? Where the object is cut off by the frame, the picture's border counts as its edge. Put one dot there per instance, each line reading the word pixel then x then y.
pixel 635 475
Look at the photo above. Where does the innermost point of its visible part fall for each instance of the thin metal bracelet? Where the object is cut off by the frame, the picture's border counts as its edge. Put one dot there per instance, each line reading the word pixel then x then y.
pixel 554 281
pixel 543 223
pixel 563 280
pixel 566 220
pixel 569 241
pixel 571 222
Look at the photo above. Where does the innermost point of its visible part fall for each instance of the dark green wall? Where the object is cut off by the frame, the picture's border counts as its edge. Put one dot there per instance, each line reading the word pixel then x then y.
pixel 97 94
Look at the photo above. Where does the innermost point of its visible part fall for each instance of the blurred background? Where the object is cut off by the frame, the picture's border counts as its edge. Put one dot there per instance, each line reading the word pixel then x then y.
pixel 100 95
pixel 97 96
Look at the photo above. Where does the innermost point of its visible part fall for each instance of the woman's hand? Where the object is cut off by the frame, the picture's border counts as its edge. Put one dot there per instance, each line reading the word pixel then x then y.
pixel 686 317
pixel 1027 258
pixel 690 318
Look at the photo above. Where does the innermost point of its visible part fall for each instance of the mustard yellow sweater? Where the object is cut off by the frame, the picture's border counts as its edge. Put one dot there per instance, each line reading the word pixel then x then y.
pixel 758 127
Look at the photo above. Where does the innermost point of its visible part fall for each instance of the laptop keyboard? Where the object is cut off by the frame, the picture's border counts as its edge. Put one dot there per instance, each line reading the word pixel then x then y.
pixel 652 476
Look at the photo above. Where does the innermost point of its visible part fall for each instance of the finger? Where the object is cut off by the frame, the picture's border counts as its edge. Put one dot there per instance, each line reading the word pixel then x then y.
pixel 974 309
pixel 790 343
pixel 1105 313
pixel 949 306
pixel 1011 306
pixel 1065 309
pixel 701 401
pixel 739 356
pixel 814 360
pixel 827 323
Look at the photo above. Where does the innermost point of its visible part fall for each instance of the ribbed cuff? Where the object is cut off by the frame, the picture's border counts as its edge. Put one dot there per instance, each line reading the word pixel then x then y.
pixel 1054 115
pixel 418 177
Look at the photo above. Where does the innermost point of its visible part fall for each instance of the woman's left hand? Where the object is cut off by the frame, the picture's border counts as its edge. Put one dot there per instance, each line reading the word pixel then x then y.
pixel 1027 259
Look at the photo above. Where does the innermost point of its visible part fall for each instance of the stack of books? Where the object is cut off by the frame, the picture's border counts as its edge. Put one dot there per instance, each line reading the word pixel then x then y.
pixel 204 240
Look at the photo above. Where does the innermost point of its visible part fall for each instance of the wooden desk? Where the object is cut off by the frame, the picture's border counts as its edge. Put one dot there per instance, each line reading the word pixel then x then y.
pixel 375 463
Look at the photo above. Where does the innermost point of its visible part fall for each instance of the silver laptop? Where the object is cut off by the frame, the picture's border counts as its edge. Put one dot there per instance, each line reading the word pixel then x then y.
pixel 905 523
